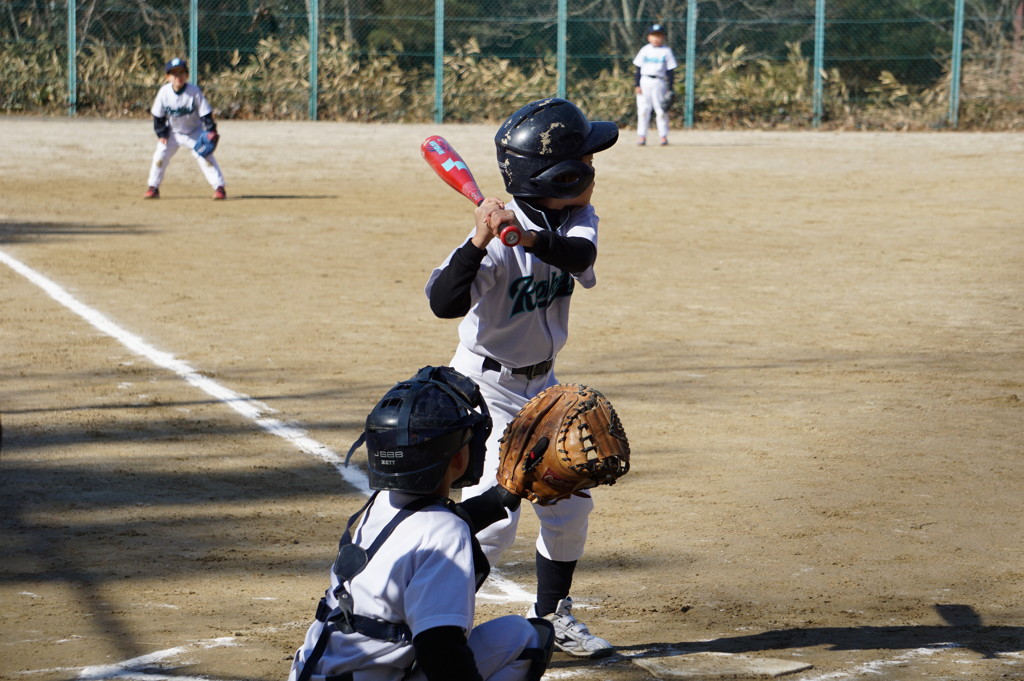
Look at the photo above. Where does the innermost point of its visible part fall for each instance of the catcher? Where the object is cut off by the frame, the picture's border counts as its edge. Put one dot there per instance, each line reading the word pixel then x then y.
pixel 514 304
pixel 401 605
pixel 183 117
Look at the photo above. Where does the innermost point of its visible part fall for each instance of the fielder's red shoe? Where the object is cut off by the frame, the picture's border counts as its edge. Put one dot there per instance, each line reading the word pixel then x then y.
pixel 152 193
pixel 219 194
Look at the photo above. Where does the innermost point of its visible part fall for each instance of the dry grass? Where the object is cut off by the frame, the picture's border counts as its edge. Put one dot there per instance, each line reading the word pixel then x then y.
pixel 733 91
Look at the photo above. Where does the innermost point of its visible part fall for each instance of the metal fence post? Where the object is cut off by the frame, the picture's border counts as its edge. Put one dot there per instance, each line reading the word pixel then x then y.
pixel 72 58
pixel 314 57
pixel 819 58
pixel 562 21
pixel 193 38
pixel 439 61
pixel 957 57
pixel 691 58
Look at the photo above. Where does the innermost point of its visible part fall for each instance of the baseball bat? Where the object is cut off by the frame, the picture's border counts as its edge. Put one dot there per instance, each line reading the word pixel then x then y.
pixel 449 166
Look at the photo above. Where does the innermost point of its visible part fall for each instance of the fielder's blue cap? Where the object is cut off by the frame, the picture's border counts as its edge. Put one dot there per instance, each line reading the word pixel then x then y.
pixel 175 63
pixel 655 28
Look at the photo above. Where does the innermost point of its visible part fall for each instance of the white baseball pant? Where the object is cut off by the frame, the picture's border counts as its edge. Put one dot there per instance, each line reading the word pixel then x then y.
pixel 164 152
pixel 652 94
pixel 563 526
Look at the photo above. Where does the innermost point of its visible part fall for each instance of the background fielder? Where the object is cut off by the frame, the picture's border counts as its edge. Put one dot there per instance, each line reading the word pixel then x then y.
pixel 181 116
pixel 653 82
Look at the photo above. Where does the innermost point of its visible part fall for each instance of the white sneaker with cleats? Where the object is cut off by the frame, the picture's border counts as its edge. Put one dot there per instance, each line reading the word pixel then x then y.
pixel 571 635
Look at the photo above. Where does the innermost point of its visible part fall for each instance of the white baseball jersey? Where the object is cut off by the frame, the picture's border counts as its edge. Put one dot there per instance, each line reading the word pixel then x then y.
pixel 655 61
pixel 422 575
pixel 519 312
pixel 182 109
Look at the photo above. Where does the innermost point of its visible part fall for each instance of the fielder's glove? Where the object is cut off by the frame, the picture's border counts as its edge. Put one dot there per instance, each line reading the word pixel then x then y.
pixel 668 100
pixel 206 143
pixel 565 440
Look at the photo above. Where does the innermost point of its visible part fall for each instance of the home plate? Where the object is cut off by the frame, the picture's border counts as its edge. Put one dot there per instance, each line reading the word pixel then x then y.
pixel 717 666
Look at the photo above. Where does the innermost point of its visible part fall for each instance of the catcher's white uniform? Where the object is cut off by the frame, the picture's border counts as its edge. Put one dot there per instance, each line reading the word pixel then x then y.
pixel 422 576
pixel 183 111
pixel 654 64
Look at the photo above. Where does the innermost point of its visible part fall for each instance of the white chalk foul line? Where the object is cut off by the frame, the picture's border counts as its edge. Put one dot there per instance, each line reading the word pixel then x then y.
pixel 876 668
pixel 244 405
pixel 508 591
pixel 130 669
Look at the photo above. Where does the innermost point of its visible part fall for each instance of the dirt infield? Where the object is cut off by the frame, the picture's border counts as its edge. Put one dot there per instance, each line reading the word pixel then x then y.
pixel 815 342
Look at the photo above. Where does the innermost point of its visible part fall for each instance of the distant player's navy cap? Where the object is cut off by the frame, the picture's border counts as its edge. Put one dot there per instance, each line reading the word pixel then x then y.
pixel 655 28
pixel 175 63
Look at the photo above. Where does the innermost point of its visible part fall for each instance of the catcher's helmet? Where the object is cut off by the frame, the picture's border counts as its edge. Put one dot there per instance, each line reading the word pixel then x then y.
pixel 540 147
pixel 418 426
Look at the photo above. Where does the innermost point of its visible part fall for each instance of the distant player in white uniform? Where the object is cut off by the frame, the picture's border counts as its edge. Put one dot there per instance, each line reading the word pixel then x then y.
pixel 181 116
pixel 654 78
pixel 402 598
pixel 514 302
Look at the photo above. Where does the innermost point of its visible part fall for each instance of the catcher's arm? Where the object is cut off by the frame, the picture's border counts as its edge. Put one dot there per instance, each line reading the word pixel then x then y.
pixel 488 508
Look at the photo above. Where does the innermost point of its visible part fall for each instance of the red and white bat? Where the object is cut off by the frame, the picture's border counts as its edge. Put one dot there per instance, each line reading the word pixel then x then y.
pixel 450 167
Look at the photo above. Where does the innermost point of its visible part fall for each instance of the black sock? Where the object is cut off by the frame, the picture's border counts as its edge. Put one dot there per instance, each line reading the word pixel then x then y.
pixel 554 579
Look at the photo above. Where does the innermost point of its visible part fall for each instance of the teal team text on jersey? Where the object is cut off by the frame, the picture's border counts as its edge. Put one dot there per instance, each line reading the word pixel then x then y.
pixel 527 294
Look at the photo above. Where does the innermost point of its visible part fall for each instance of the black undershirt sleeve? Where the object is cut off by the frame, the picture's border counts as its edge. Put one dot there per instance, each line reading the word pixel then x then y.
pixel 450 295
pixel 208 123
pixel 670 78
pixel 487 508
pixel 160 127
pixel 636 77
pixel 444 655
pixel 572 254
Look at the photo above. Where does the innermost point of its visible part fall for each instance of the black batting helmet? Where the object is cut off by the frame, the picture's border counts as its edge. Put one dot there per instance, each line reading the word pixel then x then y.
pixel 418 426
pixel 540 147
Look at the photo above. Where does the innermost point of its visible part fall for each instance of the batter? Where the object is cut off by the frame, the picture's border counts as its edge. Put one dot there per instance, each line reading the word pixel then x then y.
pixel 514 304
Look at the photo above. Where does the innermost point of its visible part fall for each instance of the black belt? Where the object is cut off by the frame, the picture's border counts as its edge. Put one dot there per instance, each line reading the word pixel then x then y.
pixel 658 77
pixel 392 632
pixel 531 372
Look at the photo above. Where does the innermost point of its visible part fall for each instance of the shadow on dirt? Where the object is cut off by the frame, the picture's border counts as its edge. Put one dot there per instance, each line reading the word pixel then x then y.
pixel 24 232
pixel 963 629
pixel 278 197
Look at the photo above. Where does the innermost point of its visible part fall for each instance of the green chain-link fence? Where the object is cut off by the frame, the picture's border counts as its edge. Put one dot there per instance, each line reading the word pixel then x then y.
pixel 897 64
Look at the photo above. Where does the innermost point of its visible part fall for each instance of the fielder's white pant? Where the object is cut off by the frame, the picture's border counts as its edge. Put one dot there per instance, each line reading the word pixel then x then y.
pixel 563 526
pixel 164 152
pixel 652 94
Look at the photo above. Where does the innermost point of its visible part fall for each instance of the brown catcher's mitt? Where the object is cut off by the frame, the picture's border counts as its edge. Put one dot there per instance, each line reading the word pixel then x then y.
pixel 565 440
